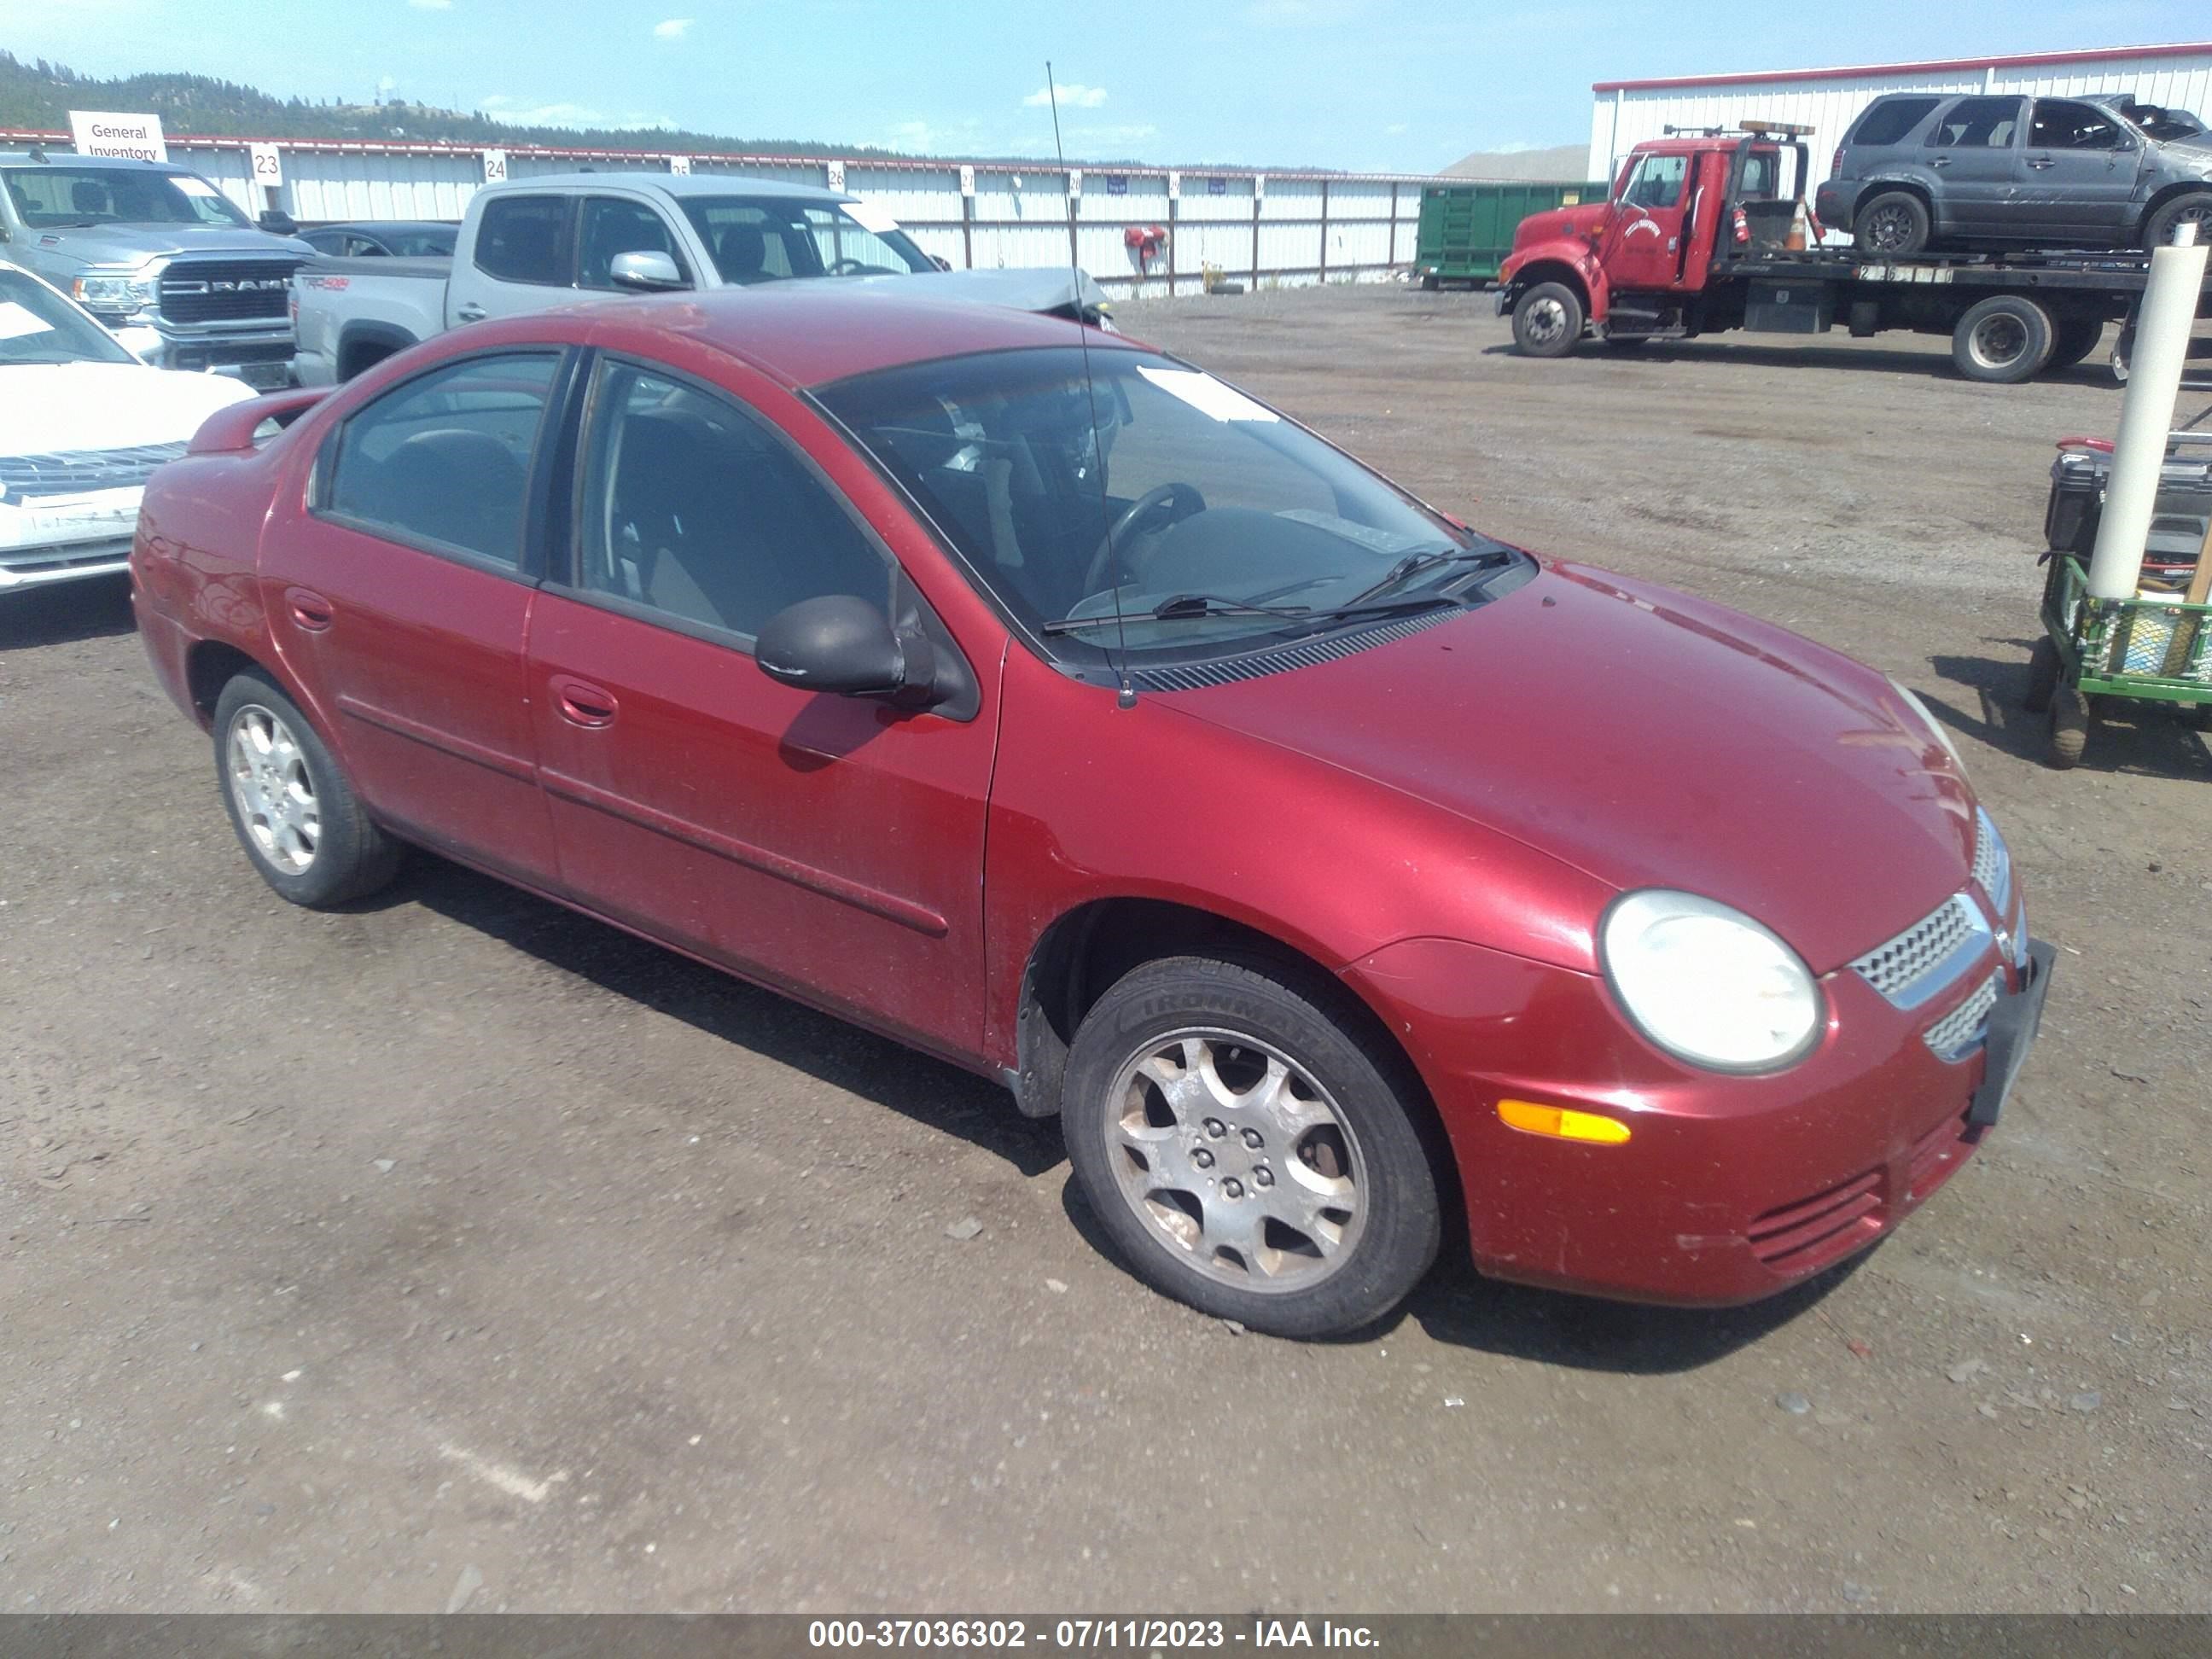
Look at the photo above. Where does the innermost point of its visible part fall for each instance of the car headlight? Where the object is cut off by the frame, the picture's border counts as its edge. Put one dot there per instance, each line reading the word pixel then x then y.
pixel 120 295
pixel 1707 983
pixel 1934 727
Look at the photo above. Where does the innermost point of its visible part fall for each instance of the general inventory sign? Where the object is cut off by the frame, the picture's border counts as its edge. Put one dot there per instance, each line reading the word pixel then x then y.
pixel 105 132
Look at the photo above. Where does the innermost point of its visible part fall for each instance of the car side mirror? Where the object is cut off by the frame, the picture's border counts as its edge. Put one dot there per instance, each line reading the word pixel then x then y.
pixel 940 262
pixel 846 646
pixel 277 222
pixel 648 271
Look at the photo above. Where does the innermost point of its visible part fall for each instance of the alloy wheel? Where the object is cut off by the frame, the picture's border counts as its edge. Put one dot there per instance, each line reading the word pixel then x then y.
pixel 273 789
pixel 1236 1158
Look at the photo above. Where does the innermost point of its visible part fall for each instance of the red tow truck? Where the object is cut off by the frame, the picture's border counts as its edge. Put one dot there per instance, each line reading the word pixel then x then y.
pixel 1699 237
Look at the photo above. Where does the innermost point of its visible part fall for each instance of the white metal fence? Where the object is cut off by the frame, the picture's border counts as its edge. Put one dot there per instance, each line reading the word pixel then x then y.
pixel 1258 229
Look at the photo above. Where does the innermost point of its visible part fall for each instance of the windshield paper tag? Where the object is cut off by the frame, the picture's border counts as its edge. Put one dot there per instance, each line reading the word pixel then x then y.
pixel 17 321
pixel 1208 395
pixel 192 186
pixel 871 217
pixel 1379 541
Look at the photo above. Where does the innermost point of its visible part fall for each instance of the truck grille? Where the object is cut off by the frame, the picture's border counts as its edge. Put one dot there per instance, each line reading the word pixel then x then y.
pixel 226 290
pixel 80 471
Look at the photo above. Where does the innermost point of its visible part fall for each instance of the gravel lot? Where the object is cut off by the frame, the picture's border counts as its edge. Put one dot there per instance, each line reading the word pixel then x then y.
pixel 459 1250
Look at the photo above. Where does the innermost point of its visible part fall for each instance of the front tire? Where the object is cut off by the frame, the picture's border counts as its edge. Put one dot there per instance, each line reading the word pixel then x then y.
pixel 296 813
pixel 2005 339
pixel 2070 719
pixel 1894 225
pixel 1248 1150
pixel 1547 320
pixel 2194 208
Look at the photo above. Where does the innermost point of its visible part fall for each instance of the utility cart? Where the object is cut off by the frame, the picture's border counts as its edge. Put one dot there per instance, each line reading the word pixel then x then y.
pixel 2153 647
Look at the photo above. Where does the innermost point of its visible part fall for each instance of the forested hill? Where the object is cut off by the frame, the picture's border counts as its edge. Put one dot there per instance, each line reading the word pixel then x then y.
pixel 39 95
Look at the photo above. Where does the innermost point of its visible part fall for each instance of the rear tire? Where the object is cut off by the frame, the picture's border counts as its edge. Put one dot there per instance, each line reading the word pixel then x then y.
pixel 1894 225
pixel 1248 1150
pixel 2194 206
pixel 2044 668
pixel 2069 728
pixel 2075 338
pixel 297 815
pixel 1547 320
pixel 2005 339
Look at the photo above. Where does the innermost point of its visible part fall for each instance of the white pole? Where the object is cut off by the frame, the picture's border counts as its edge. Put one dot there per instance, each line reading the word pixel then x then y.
pixel 2154 365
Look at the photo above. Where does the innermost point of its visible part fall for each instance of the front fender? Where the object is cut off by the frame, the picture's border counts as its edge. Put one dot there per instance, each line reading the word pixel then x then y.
pixel 1546 261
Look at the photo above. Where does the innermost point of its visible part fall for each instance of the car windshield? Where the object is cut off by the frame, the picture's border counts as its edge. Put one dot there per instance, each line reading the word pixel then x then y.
pixel 1141 497
pixel 767 239
pixel 37 325
pixel 54 197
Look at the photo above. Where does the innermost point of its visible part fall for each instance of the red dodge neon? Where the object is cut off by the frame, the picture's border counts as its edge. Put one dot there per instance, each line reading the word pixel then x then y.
pixel 1336 873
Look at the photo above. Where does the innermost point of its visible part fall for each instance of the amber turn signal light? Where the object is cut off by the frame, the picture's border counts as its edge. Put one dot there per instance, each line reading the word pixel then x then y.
pixel 1561 1122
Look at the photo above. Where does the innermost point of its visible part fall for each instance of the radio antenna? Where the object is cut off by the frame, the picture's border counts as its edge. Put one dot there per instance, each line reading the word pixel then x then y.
pixel 1126 697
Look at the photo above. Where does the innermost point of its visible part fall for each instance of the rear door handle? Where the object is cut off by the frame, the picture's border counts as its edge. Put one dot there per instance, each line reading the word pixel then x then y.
pixel 310 609
pixel 1939 161
pixel 471 313
pixel 582 703
pixel 2039 163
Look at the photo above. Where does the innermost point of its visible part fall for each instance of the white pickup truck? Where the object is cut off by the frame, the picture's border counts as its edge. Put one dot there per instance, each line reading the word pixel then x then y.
pixel 530 244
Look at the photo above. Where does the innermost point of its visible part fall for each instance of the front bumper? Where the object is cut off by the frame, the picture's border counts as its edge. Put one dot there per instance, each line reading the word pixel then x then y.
pixel 1504 301
pixel 1729 1188
pixel 42 543
pixel 262 358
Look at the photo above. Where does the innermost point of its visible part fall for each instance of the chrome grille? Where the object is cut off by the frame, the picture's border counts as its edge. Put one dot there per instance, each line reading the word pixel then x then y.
pixel 1992 863
pixel 226 290
pixel 1920 962
pixel 1959 1032
pixel 78 471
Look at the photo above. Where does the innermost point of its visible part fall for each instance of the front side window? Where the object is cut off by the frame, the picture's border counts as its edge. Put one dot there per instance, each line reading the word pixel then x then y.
pixel 1657 182
pixel 1978 124
pixel 518 239
pixel 610 225
pixel 769 238
pixel 2061 123
pixel 691 508
pixel 444 460
pixel 1889 121
pixel 37 325
pixel 1144 500
pixel 53 197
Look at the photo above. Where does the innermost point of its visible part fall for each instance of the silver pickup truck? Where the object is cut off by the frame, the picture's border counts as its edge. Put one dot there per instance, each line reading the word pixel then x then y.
pixel 530 244
pixel 160 255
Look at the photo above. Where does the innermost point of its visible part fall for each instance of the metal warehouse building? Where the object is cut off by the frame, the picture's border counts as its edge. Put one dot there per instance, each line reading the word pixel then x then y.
pixel 1626 112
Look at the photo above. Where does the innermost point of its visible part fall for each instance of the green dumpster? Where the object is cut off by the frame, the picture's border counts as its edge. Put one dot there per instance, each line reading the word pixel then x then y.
pixel 1467 229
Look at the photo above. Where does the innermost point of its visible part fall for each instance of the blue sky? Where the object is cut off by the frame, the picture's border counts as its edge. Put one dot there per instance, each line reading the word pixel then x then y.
pixel 1366 84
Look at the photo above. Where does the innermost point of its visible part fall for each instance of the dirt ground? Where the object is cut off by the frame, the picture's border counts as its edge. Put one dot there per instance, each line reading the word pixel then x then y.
pixel 460 1251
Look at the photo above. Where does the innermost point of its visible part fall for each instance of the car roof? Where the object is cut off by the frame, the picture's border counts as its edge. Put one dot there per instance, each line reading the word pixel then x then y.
pixel 810 333
pixel 672 183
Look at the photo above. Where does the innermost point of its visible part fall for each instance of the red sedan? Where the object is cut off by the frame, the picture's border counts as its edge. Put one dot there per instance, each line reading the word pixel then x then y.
pixel 1336 873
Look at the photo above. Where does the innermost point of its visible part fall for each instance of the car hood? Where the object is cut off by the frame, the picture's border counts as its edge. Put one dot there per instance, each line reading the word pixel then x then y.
pixel 1651 740
pixel 1556 223
pixel 132 245
pixel 1044 287
pixel 56 408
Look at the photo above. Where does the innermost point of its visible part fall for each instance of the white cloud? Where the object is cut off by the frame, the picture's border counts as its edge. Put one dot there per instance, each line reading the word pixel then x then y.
pixel 431 5
pixel 1396 127
pixel 386 84
pixel 674 28
pixel 1113 135
pixel 1073 96
pixel 501 107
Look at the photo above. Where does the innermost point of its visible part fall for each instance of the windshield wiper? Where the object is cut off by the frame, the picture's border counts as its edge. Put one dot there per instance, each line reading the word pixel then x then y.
pixel 1178 607
pixel 1414 564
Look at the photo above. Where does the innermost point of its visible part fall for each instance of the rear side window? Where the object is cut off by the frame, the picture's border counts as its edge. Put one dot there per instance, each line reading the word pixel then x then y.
pixel 518 239
pixel 445 460
pixel 1890 120
pixel 1978 124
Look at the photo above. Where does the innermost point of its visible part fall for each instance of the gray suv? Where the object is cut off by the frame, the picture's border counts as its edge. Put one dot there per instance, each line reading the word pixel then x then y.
pixel 1921 171
pixel 180 274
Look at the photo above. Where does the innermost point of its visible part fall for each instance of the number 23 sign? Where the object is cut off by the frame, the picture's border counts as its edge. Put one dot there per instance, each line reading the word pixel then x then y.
pixel 268 167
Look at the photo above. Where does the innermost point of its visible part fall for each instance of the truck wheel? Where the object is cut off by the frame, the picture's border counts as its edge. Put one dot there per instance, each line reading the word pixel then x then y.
pixel 2195 208
pixel 1547 320
pixel 2004 339
pixel 2043 672
pixel 1894 224
pixel 2076 338
pixel 2069 728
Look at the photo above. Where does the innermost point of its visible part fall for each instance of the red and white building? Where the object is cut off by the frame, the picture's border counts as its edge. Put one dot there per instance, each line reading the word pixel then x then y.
pixel 1626 112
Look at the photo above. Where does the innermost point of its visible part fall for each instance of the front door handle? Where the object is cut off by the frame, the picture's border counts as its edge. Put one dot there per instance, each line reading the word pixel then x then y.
pixel 1939 161
pixel 2039 163
pixel 582 703
pixel 471 313
pixel 310 609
